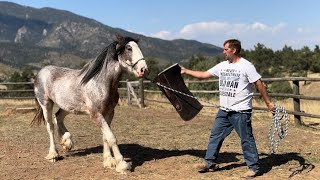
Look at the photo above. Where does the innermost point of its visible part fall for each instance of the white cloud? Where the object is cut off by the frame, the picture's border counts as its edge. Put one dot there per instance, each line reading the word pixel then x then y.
pixel 300 30
pixel 259 26
pixel 163 35
pixel 279 27
pixel 204 27
pixel 304 30
pixel 216 32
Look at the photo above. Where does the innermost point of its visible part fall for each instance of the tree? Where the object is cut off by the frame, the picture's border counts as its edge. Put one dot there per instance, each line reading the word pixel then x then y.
pixel 315 65
pixel 305 60
pixel 203 63
pixel 25 76
pixel 263 58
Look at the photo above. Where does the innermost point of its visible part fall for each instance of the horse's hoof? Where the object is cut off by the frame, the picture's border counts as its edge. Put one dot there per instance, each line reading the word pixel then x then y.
pixel 67 145
pixel 109 163
pixel 123 167
pixel 52 156
pixel 66 142
pixel 125 172
pixel 51 159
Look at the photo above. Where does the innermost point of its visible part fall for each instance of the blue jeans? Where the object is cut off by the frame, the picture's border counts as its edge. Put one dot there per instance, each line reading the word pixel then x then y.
pixel 223 125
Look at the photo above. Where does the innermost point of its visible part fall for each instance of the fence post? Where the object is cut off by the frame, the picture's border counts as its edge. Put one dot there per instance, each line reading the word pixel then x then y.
pixel 141 93
pixel 296 103
pixel 128 92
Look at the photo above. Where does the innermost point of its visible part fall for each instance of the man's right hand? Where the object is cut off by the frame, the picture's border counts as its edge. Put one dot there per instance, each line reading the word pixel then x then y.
pixel 183 70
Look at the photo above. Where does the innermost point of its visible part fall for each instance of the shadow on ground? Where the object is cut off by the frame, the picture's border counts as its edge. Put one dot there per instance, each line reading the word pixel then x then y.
pixel 273 160
pixel 139 154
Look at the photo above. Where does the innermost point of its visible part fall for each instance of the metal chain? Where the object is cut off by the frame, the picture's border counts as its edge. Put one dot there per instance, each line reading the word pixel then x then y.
pixel 191 96
pixel 277 128
pixel 173 90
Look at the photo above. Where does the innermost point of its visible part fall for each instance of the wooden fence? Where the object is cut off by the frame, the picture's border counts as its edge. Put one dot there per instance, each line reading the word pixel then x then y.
pixel 295 96
pixel 14 90
pixel 140 91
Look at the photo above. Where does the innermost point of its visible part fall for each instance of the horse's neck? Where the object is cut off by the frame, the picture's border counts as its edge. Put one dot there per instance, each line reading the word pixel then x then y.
pixel 112 75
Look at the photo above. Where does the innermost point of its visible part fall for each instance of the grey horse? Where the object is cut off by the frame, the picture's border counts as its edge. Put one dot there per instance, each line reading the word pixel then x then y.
pixel 92 90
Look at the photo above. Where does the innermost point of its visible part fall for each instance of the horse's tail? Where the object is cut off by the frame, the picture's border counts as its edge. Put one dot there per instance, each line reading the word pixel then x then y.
pixel 38 118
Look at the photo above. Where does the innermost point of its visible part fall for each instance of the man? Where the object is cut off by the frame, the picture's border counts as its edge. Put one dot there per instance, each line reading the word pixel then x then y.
pixel 236 78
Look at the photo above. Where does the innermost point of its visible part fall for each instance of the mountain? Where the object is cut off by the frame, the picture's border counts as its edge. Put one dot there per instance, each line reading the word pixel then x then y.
pixel 31 36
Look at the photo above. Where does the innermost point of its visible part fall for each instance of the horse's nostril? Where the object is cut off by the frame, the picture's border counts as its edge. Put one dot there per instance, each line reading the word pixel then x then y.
pixel 141 70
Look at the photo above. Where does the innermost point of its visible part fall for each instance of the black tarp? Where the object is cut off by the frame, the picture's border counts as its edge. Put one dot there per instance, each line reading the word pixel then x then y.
pixel 170 81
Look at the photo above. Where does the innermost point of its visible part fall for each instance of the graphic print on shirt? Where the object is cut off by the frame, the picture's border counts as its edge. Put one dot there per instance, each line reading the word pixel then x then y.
pixel 229 81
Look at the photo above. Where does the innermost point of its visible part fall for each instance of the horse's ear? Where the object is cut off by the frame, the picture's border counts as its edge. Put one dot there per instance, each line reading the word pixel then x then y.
pixel 119 41
pixel 118 49
pixel 119 38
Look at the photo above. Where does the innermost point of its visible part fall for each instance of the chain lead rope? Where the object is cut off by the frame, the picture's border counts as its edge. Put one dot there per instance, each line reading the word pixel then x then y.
pixel 173 90
pixel 277 128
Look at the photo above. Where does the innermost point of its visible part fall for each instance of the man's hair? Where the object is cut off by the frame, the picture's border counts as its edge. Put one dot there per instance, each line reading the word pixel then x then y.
pixel 235 44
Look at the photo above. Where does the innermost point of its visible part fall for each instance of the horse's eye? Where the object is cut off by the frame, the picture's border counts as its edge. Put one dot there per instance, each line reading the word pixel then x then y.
pixel 129 48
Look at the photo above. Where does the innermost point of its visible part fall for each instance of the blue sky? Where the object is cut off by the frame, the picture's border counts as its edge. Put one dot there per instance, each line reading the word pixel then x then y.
pixel 274 23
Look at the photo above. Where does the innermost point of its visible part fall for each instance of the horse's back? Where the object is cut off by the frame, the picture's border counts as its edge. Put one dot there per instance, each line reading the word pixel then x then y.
pixel 50 74
pixel 43 77
pixel 51 77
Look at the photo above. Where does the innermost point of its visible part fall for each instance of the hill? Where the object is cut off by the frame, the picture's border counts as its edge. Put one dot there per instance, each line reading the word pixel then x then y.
pixel 29 35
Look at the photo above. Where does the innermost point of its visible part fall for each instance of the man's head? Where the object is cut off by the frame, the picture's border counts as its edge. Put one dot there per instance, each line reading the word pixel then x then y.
pixel 231 49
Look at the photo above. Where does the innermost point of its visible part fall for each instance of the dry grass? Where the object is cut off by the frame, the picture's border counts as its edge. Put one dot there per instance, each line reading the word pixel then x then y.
pixel 16 103
pixel 156 140
pixel 159 144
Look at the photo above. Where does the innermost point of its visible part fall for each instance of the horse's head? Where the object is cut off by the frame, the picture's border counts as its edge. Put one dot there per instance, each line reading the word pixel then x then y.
pixel 131 57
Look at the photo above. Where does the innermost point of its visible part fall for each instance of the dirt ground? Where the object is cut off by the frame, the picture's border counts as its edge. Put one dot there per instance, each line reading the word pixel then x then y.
pixel 158 143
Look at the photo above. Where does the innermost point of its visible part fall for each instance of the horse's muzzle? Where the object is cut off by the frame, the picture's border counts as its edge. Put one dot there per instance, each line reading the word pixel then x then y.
pixel 143 72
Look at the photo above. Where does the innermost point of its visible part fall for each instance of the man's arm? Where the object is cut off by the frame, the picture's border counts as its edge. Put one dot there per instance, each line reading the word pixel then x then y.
pixel 197 74
pixel 264 94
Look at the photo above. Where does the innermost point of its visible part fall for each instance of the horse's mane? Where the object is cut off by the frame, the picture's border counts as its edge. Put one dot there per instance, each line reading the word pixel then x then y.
pixel 111 52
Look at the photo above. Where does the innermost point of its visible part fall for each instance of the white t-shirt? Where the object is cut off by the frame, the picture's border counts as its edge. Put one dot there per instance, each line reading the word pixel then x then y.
pixel 235 84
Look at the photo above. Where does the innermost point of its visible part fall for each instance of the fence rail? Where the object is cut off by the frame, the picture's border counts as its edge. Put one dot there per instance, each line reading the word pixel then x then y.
pixel 295 96
pixel 141 90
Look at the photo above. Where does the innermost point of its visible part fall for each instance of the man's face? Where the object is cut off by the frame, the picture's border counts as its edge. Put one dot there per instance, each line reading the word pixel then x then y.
pixel 228 52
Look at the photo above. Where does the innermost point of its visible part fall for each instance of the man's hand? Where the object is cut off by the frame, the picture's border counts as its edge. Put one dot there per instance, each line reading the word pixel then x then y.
pixel 183 70
pixel 264 94
pixel 271 106
pixel 197 74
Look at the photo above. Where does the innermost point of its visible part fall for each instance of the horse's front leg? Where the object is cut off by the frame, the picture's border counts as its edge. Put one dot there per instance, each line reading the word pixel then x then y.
pixel 63 133
pixel 47 113
pixel 108 160
pixel 110 142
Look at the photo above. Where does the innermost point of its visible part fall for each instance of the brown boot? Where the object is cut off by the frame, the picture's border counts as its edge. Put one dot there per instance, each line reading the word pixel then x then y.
pixel 203 168
pixel 249 174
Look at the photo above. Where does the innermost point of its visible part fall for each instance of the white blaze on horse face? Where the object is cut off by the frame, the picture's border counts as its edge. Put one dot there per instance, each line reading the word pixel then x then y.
pixel 140 67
